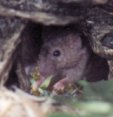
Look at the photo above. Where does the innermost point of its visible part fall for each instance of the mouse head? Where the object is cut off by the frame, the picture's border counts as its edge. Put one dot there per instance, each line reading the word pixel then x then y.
pixel 61 50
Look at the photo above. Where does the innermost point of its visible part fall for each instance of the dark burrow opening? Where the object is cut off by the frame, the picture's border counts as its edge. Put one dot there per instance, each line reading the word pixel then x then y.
pixel 31 43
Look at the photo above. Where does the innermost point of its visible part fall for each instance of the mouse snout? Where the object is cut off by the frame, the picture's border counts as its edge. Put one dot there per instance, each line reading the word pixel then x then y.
pixel 46 70
pixel 43 73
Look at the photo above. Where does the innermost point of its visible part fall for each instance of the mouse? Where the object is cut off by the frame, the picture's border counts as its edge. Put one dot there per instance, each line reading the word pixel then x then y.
pixel 66 58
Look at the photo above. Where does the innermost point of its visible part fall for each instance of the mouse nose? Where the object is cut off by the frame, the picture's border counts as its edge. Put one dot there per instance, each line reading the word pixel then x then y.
pixel 43 73
pixel 46 70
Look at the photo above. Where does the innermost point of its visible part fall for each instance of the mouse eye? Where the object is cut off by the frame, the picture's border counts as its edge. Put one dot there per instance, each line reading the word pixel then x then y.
pixel 56 53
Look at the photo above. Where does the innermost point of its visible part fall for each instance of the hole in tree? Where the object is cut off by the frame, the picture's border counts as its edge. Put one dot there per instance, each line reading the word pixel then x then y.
pixel 29 54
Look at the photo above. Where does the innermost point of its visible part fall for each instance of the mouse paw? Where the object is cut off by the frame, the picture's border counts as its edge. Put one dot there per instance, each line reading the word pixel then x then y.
pixel 59 87
pixel 62 85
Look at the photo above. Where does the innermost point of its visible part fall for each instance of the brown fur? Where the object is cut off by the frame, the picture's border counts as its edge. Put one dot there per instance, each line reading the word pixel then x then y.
pixel 75 62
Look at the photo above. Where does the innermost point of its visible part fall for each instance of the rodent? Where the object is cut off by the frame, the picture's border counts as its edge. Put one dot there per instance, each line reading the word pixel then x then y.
pixel 64 56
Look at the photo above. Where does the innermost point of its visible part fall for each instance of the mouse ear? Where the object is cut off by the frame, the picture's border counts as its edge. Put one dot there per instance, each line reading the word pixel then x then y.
pixel 74 40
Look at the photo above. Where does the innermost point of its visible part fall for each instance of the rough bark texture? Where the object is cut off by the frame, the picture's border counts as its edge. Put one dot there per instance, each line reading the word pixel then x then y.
pixel 10 29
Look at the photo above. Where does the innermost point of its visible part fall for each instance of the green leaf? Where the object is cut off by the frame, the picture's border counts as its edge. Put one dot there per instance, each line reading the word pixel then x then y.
pixel 46 83
pixel 102 90
pixel 98 107
pixel 60 115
